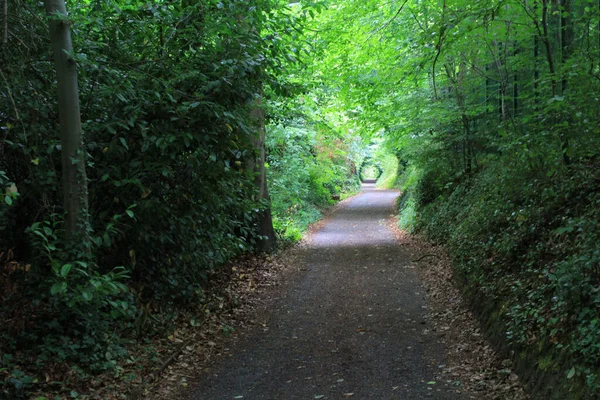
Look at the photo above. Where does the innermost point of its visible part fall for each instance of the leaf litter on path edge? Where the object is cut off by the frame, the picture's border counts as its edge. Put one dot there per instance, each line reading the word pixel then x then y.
pixel 472 363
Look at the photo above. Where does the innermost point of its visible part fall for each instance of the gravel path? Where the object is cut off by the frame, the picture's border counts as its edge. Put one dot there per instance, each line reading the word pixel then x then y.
pixel 350 324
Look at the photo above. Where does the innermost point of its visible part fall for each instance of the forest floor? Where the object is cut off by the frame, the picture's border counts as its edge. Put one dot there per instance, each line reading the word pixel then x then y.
pixel 359 310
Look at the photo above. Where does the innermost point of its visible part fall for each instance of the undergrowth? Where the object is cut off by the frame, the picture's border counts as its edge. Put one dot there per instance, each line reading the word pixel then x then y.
pixel 306 174
pixel 525 247
pixel 389 174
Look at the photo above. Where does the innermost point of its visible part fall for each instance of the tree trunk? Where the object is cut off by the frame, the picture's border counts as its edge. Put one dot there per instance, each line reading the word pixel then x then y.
pixel 546 41
pixel 467 151
pixel 257 168
pixel 566 44
pixel 515 83
pixel 536 72
pixel 566 38
pixel 73 153
pixel 5 22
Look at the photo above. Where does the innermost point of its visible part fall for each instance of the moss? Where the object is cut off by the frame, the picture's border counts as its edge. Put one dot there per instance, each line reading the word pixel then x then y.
pixel 547 363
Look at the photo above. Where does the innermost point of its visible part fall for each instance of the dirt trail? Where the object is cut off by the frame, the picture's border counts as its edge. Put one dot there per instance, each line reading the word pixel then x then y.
pixel 351 324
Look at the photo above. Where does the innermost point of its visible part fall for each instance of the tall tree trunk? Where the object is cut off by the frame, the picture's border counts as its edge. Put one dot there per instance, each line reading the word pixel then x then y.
pixel 566 44
pixel 256 163
pixel 467 151
pixel 438 49
pixel 515 83
pixel 566 37
pixel 4 21
pixel 536 72
pixel 73 153
pixel 257 167
pixel 546 41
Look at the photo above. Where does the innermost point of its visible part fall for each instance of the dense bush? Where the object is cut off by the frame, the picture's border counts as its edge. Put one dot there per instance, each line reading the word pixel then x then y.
pixel 527 249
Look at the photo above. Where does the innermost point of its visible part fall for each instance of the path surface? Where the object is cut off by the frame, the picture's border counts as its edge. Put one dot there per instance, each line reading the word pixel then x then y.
pixel 351 322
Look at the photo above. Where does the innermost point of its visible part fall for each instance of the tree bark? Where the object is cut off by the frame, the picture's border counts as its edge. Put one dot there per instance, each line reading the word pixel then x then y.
pixel 515 83
pixel 74 178
pixel 536 72
pixel 256 163
pixel 566 44
pixel 546 41
pixel 438 48
pixel 257 168
pixel 5 21
pixel 566 38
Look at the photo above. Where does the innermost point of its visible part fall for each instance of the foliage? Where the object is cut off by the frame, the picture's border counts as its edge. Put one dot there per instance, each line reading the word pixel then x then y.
pixel 491 112
pixel 407 203
pixel 389 165
pixel 485 113
pixel 531 252
pixel 166 95
pixel 307 172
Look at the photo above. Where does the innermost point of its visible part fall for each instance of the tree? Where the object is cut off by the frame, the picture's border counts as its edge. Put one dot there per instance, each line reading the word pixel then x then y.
pixel 74 178
pixel 266 241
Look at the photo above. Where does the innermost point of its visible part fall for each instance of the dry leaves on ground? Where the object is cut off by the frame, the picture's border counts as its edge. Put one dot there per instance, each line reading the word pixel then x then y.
pixel 472 363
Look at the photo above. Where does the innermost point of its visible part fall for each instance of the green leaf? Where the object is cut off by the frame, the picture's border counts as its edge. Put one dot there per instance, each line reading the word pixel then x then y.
pixel 17 373
pixel 107 241
pixel 8 200
pixel 65 270
pixel 87 296
pixel 130 213
pixel 124 143
pixel 556 98
pixel 571 373
pixel 58 287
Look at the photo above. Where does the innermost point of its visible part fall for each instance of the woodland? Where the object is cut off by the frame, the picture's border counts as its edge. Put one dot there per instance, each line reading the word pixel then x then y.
pixel 144 145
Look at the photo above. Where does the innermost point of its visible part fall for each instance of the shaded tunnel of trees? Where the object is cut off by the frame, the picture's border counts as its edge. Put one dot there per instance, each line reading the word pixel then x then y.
pixel 143 145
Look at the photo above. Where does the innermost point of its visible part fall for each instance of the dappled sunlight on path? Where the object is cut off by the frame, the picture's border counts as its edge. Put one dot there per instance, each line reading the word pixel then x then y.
pixel 350 323
pixel 360 222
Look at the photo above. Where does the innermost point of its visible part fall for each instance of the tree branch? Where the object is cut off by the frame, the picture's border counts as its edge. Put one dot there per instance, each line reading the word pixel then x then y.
pixel 390 21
